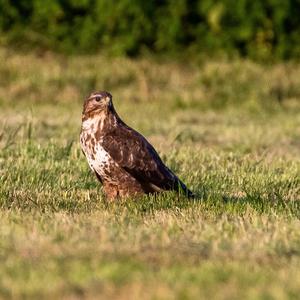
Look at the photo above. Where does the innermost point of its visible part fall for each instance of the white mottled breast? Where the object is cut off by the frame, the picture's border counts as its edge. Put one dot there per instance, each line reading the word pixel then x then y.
pixel 98 159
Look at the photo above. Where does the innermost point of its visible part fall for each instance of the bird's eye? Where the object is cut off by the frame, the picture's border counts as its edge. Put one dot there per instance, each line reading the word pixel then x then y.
pixel 98 98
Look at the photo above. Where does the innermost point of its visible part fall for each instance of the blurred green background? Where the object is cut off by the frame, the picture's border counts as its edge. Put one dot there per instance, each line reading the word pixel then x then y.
pixel 261 30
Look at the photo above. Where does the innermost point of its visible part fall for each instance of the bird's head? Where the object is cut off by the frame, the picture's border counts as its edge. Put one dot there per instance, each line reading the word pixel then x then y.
pixel 96 103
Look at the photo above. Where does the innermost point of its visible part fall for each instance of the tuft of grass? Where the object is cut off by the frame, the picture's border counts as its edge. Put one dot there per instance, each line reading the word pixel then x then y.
pixel 230 130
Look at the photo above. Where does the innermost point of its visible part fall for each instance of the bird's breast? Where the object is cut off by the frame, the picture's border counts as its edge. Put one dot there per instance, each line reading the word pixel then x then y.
pixel 98 158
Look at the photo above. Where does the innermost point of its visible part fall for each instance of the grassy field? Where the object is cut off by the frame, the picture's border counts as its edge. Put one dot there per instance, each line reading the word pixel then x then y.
pixel 230 130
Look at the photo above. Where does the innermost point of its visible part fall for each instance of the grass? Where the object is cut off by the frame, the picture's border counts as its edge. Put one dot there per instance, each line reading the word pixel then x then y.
pixel 230 130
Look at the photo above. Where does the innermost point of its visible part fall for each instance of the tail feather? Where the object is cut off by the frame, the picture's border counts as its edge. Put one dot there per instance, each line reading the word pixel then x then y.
pixel 181 187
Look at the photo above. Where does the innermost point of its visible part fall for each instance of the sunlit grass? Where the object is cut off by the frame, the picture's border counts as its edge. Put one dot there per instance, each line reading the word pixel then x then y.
pixel 231 131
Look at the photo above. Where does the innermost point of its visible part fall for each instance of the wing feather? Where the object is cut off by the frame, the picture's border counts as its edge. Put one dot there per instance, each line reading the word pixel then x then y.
pixel 136 155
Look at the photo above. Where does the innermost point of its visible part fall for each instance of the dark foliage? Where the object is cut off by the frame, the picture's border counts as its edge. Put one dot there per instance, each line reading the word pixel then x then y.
pixel 260 29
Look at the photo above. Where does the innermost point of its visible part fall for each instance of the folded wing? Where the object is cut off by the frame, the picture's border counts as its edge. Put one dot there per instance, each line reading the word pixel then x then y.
pixel 131 151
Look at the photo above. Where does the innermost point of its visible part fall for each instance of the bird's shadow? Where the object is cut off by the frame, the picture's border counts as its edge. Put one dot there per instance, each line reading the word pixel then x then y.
pixel 219 203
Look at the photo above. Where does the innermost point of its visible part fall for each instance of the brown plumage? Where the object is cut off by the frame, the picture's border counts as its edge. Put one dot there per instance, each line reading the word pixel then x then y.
pixel 122 159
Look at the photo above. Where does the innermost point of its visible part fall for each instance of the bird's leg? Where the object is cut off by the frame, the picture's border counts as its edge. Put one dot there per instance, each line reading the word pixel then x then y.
pixel 111 191
pixel 118 192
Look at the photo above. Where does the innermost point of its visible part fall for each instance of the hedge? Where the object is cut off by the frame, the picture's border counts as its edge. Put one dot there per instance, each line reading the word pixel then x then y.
pixel 260 29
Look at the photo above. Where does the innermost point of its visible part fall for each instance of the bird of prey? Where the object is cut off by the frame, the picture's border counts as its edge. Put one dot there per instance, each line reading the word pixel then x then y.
pixel 122 159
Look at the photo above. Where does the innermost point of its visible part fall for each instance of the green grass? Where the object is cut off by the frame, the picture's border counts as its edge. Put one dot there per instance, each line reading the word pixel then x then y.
pixel 230 130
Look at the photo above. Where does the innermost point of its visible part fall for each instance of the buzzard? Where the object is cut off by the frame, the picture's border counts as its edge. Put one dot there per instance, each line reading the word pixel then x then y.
pixel 122 159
